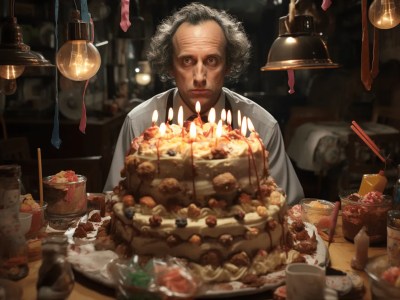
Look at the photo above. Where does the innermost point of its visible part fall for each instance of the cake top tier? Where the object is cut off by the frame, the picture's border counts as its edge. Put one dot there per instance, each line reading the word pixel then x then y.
pixel 198 139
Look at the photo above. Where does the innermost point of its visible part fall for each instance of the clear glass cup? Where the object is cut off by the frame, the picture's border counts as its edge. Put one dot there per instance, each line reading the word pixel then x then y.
pixel 66 201
pixel 356 214
pixel 317 212
pixel 393 237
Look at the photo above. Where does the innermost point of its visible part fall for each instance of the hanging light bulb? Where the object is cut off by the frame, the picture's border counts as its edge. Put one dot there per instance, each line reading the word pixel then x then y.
pixel 143 73
pixel 78 59
pixel 11 71
pixel 384 14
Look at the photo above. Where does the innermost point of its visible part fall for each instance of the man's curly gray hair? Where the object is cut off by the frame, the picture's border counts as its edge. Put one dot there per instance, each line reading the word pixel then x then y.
pixel 237 48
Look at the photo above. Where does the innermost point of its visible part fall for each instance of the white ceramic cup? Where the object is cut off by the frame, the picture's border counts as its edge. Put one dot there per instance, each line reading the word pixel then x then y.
pixel 304 282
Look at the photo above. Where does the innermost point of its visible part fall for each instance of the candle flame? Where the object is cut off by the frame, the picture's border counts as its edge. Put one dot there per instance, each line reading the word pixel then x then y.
pixel 170 114
pixel 211 115
pixel 219 129
pixel 243 128
pixel 162 129
pixel 239 116
pixel 192 131
pixel 229 118
pixel 180 116
pixel 223 114
pixel 250 125
pixel 198 107
pixel 154 118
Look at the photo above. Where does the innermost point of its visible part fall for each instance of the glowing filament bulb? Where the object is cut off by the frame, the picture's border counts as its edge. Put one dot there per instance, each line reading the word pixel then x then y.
pixel 384 14
pixel 11 71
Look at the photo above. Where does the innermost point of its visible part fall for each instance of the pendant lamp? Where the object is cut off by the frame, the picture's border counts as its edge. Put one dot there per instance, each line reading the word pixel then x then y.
pixel 78 59
pixel 298 47
pixel 14 54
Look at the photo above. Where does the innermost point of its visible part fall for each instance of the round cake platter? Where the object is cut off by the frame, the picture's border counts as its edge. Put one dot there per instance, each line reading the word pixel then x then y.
pixel 94 264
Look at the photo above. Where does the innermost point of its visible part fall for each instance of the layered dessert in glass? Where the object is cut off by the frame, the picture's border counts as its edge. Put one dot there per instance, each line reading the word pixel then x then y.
pixel 369 210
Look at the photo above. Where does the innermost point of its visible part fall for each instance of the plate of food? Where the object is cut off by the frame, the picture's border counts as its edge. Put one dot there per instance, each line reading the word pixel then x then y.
pixel 92 259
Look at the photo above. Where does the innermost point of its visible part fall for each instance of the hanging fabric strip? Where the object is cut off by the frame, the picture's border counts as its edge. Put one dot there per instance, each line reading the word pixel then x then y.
pixel 375 55
pixel 82 123
pixel 291 81
pixel 326 4
pixel 365 64
pixel 125 23
pixel 55 136
pixel 85 11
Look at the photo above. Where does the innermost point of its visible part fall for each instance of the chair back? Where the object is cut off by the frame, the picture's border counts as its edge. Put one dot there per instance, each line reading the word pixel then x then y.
pixel 14 149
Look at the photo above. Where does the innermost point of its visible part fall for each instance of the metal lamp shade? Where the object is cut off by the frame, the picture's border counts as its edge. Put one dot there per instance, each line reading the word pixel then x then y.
pixel 13 51
pixel 298 47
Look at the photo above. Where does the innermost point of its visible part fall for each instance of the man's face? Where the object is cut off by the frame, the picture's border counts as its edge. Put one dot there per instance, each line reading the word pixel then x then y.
pixel 199 63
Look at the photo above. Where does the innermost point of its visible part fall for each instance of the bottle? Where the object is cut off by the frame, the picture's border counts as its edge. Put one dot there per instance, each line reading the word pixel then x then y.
pixel 396 190
pixel 361 243
pixel 373 182
pixel 56 279
pixel 14 252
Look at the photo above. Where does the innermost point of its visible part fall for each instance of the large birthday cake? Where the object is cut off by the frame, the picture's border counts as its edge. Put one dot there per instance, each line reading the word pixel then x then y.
pixel 202 192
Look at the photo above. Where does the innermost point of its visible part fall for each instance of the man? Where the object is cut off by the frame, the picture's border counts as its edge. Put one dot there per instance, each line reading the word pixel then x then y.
pixel 199 47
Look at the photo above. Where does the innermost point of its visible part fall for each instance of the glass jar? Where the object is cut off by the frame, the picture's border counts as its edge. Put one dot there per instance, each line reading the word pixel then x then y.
pixel 56 279
pixel 393 237
pixel 14 252
pixel 356 214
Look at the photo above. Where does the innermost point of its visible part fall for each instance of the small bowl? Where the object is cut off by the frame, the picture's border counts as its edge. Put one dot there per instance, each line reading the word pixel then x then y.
pixel 380 289
pixel 317 212
pixel 25 221
pixel 356 214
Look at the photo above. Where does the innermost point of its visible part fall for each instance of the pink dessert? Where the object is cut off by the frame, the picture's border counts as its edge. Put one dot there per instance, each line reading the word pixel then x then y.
pixel 65 193
pixel 370 211
pixel 392 276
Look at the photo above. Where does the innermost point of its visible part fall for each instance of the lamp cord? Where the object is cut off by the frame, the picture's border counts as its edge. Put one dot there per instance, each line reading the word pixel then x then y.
pixel 11 8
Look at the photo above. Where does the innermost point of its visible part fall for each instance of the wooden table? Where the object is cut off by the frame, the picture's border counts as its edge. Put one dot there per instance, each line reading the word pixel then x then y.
pixel 341 252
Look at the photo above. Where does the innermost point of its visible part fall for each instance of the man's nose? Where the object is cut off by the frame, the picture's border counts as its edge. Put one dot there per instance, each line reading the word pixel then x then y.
pixel 199 74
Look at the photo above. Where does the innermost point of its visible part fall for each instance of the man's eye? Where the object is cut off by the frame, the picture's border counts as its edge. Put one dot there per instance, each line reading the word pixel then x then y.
pixel 187 61
pixel 212 61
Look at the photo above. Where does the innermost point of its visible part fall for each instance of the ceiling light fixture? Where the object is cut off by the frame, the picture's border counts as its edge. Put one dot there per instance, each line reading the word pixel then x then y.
pixel 14 54
pixel 298 46
pixel 78 59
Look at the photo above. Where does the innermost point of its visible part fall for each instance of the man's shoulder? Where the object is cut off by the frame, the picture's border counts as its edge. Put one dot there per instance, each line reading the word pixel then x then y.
pixel 146 108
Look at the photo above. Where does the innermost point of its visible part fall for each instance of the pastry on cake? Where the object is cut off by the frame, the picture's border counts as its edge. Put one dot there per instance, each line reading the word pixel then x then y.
pixel 202 192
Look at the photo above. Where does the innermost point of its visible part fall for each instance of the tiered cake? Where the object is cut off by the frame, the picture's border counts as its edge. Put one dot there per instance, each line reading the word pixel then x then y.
pixel 202 192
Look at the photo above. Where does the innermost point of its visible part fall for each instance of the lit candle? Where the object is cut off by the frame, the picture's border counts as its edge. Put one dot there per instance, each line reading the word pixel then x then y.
pixel 192 135
pixel 170 115
pixel 223 115
pixel 239 116
pixel 198 109
pixel 211 120
pixel 162 129
pixel 154 118
pixel 218 133
pixel 243 128
pixel 229 119
pixel 180 119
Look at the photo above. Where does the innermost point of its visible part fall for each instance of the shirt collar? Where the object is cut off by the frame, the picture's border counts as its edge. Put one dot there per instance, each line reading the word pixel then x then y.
pixel 187 112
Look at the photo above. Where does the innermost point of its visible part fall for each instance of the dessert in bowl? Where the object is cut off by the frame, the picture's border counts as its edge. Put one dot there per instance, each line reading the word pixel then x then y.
pixel 65 194
pixel 385 279
pixel 317 212
pixel 369 210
